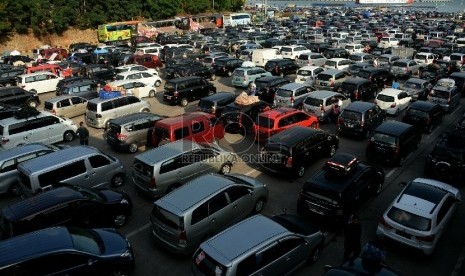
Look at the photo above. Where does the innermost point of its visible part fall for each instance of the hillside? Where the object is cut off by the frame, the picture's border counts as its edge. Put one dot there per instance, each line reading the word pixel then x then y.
pixel 25 43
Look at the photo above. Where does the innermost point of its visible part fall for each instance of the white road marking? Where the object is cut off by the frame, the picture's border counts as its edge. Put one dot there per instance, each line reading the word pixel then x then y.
pixel 250 172
pixel 138 230
pixel 390 172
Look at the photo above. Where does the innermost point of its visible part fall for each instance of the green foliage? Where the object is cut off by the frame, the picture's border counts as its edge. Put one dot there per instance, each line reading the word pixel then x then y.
pixel 56 16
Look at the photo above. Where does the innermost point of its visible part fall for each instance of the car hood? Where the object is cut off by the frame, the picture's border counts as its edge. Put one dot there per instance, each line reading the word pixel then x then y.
pixel 114 242
pixel 111 196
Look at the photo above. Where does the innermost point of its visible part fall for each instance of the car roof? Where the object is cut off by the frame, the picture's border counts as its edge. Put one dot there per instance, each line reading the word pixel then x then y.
pixel 417 80
pixel 218 96
pixel 134 117
pixel 20 150
pixel 356 80
pixel 37 74
pixel 247 234
pixel 392 127
pixel 292 136
pixel 359 106
pixel 390 91
pixel 278 112
pixel 38 242
pixel 59 98
pixel 166 151
pixel 292 86
pixel 323 94
pixel 11 120
pixel 309 67
pixel 422 105
pixel 332 71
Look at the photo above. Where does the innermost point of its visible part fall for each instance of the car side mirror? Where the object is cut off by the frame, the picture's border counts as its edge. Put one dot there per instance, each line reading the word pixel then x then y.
pixel 403 184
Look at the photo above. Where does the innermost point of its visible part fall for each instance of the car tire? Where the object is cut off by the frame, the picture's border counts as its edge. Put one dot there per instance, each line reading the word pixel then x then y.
pixel 332 150
pixel 32 104
pixel 146 110
pixel 68 136
pixel 119 220
pixel 157 83
pixel 226 168
pixel 184 102
pixel 117 180
pixel 300 172
pixel 15 189
pixel 33 91
pixel 259 205
pixel 229 73
pixel 152 93
pixel 133 148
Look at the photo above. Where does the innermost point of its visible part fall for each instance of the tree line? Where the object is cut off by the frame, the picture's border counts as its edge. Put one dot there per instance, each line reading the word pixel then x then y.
pixel 56 16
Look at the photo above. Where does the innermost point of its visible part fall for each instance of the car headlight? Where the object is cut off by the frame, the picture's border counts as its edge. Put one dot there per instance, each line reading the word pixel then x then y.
pixel 124 201
pixel 126 254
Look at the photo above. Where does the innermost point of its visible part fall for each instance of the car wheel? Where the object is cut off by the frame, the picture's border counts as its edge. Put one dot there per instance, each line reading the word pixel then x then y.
pixel 117 180
pixel 120 220
pixel 157 83
pixel 133 148
pixel 213 77
pixel 315 254
pixel 300 171
pixel 152 93
pixel 332 150
pixel 68 136
pixel 259 205
pixel 33 91
pixel 33 104
pixel 229 73
pixel 184 102
pixel 15 189
pixel 225 169
pixel 145 110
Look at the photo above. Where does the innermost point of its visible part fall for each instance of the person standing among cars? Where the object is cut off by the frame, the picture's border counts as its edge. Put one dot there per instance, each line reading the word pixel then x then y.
pixel 83 134
pixel 352 239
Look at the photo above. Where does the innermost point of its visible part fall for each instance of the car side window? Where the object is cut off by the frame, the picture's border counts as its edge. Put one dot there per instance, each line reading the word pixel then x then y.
pixel 180 133
pixel 200 213
pixel 131 100
pixel 76 100
pixel 445 209
pixel 236 193
pixel 197 127
pixel 107 106
pixel 63 103
pixel 300 92
pixel 217 203
pixel 8 165
pixel 98 161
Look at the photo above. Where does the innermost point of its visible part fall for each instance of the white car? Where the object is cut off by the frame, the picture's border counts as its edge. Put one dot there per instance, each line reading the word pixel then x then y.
pixel 388 42
pixel 135 67
pixel 338 63
pixel 393 100
pixel 135 87
pixel 307 74
pixel 293 51
pixel 425 58
pixel 40 82
pixel 145 77
pixel 419 215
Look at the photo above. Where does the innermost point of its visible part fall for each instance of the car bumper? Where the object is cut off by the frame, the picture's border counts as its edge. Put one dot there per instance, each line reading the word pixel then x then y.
pixel 170 99
pixel 174 248
pixel 426 248
pixel 117 145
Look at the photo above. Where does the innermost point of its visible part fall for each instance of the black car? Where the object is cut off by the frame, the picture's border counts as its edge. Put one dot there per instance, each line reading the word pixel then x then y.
pixel 98 72
pixel 380 76
pixel 215 103
pixel 239 118
pixel 433 73
pixel 281 67
pixel 195 70
pixel 187 89
pixel 8 77
pixel 447 160
pixel 380 51
pixel 7 111
pixel 459 78
pixel 292 150
pixel 358 89
pixel 172 65
pixel 12 59
pixel 67 251
pixel 14 95
pixel 360 119
pixel 68 205
pixel 336 53
pixel 225 66
pixel 424 115
pixel 417 88
pixel 85 88
pixel 392 142
pixel 340 188
pixel 267 87
pixel 318 47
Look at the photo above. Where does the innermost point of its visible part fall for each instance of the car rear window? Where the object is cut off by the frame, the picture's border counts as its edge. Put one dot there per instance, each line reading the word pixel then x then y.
pixel 383 59
pixel 324 77
pixel 313 102
pixel 265 122
pixel 206 104
pixel 284 93
pixel 364 74
pixel 384 138
pixel 48 106
pixel 348 86
pixel 399 64
pixel 304 57
pixel 351 115
pixel 455 57
pixel 92 106
pixel 167 217
pixel 412 85
pixel 385 98
pixel 440 94
pixel 409 220
pixel 239 73
pixel 417 113
pixel 114 129
pixel 169 86
pixel 208 266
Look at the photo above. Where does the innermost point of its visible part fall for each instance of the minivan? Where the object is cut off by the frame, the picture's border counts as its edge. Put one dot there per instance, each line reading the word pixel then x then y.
pixel 9 160
pixel 163 169
pixel 215 103
pixel 79 165
pixel 209 204
pixel 40 82
pixel 446 94
pixel 292 95
pixel 100 111
pixel 66 106
pixel 331 79
pixel 196 126
pixel 187 89
pixel 393 141
pixel 360 118
pixel 42 127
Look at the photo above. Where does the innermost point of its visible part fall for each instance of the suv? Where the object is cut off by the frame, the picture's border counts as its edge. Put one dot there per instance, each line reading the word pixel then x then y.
pixel 321 104
pixel 195 70
pixel 129 132
pixel 417 88
pixel 281 67
pixel 446 94
pixel 211 203
pixel 214 104
pixel 70 205
pixel 267 87
pixel 243 76
pixel 163 169
pixel 377 75
pixel 459 78
pixel 393 141
pixel 336 53
pixel 405 68
pixel 8 77
pixel 85 88
pixel 331 79
pixel 40 82
pixel 17 96
pixel 276 245
pixel 433 73
pixel 186 89
pixel 311 59
pixel 360 118
pixel 238 118
pixel 358 89
pixel 340 188
pixel 293 51
pixel 225 66
pixel 291 150
pixel 98 72
pixel 101 110
pixel 424 115
pixel 276 120
pixel 66 106
pixel 292 95
pixel 447 160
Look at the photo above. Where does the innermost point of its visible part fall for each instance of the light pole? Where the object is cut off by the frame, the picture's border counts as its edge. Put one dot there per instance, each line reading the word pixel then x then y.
pixel 213 3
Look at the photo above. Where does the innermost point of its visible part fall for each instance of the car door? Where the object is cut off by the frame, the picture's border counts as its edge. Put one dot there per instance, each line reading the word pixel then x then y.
pixel 79 106
pixel 404 100
pixel 220 212
pixel 90 213
pixel 445 214
pixel 39 130
pixel 241 201
pixel 56 215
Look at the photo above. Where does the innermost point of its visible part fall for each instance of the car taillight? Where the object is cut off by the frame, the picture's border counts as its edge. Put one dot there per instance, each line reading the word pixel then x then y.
pixel 289 162
pixel 331 83
pixel 54 112
pixel 213 110
pixel 183 237
pixel 121 137
pixel 429 238
pixel 406 69
pixel 340 121
pixel 176 93
pixel 393 105
pixel 292 100
pixel 384 223
pixel 152 184
pixel 98 115
pixel 356 95
pixel 5 140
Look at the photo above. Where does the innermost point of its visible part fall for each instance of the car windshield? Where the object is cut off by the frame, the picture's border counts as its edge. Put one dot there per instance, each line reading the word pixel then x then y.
pixel 331 63
pixel 440 94
pixel 385 98
pixel 384 138
pixel 265 122
pixel 86 240
pixel 455 57
pixel 313 102
pixel 409 220
pixel 284 93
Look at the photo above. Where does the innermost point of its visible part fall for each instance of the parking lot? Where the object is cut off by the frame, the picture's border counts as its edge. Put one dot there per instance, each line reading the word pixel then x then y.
pixel 154 260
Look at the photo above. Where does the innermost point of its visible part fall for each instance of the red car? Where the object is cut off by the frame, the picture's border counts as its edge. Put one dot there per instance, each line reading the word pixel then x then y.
pixel 276 120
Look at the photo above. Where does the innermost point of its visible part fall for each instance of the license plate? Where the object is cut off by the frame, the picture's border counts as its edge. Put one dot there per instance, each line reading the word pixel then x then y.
pixel 282 101
pixel 168 97
pixel 403 234
pixel 323 84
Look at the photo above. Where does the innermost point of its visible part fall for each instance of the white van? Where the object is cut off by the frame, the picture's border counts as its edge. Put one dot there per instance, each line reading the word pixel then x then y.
pixel 261 56
pixel 40 82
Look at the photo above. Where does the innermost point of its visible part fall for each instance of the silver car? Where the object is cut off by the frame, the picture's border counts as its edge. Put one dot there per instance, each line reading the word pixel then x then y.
pixel 320 103
pixel 66 106
pixel 292 95
pixel 405 68
pixel 445 93
pixel 260 245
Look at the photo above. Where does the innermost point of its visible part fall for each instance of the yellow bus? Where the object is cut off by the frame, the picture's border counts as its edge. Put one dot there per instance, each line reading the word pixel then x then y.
pixel 116 31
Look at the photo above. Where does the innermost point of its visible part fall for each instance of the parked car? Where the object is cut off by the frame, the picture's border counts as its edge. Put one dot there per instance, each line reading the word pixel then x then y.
pixel 278 119
pixel 267 87
pixel 392 141
pixel 281 67
pixel 214 104
pixel 66 106
pixel 338 190
pixel 354 68
pixel 243 76
pixel 393 101
pixel 446 94
pixel 338 63
pixel 360 119
pixel 16 96
pixel 289 240
pixel 433 73
pixel 85 88
pixel 71 205
pixel 405 68
pixel 377 75
pixel 358 89
pixel 150 78
pixel 239 118
pixel 40 82
pixel 225 66
pixel 419 215
pixel 336 53
pixel 425 116
pixel 134 87
pixel 320 103
pixel 292 95
pixel 8 77
pixel 44 252
pixel 290 151
pixel 311 59
pixel 417 88
pixel 331 79
pixel 307 74
pixel 211 203
pixel 186 89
